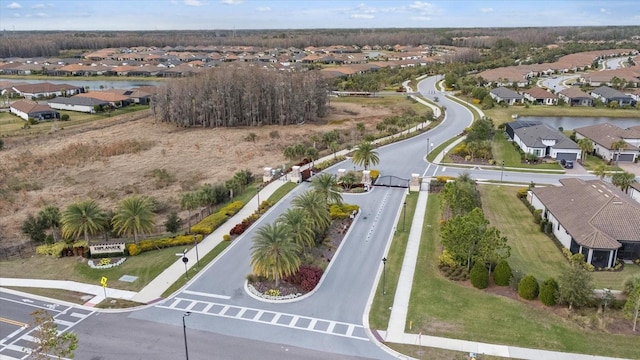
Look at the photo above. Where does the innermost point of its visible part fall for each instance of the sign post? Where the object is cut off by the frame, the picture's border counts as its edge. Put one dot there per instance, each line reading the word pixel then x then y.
pixel 103 282
pixel 185 260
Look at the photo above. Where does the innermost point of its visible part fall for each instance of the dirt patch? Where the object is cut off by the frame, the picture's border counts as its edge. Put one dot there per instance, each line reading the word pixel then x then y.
pixel 113 158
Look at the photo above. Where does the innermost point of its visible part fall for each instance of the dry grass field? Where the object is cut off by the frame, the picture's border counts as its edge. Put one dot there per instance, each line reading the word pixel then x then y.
pixel 112 158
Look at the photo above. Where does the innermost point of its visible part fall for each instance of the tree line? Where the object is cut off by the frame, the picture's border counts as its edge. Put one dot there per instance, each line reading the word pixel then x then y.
pixel 242 95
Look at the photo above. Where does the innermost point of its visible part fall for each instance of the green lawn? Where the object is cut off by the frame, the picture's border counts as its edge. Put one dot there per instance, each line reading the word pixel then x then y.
pixel 445 308
pixel 591 162
pixel 533 252
pixel 504 150
pixel 145 266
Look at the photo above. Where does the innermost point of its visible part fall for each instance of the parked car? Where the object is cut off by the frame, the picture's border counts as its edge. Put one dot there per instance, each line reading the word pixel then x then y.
pixel 568 164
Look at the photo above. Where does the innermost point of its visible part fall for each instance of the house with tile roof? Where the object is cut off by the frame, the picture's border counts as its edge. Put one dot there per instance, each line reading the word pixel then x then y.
pixel 604 135
pixel 591 217
pixel 508 96
pixel 540 96
pixel 575 97
pixel 545 141
pixel 634 191
pixel 46 89
pixel 27 109
pixel 607 95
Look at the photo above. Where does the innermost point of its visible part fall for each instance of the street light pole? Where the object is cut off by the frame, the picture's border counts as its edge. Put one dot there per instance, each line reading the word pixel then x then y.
pixel 502 172
pixel 404 215
pixel 184 331
pixel 384 274
pixel 258 199
pixel 195 240
pixel 185 260
pixel 428 142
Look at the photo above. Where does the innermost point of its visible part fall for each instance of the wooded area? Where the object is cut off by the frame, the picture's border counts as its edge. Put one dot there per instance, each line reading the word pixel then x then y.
pixel 39 43
pixel 243 95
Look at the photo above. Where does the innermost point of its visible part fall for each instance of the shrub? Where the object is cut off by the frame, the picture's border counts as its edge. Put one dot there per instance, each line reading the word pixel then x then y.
pixel 374 174
pixel 522 193
pixel 226 237
pixel 537 216
pixel 528 287
pixel 445 259
pixel 516 276
pixel 146 245
pixel 54 249
pixel 342 211
pixel 64 117
pixel 133 249
pixel 549 292
pixel 213 221
pixel 307 277
pixel 502 273
pixel 479 276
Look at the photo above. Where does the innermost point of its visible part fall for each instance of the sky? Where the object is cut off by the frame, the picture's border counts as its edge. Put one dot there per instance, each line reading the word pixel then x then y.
pixel 89 15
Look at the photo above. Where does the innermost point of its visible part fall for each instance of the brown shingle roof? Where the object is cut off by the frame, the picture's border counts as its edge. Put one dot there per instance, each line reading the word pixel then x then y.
pixel 594 213
pixel 606 134
pixel 574 93
pixel 539 93
pixel 28 106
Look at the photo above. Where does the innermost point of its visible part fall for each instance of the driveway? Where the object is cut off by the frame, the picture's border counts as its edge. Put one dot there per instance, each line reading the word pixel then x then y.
pixel 630 167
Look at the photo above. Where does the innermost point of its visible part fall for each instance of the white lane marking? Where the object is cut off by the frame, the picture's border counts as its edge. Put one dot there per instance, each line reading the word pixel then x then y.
pixel 216 296
pixel 312 322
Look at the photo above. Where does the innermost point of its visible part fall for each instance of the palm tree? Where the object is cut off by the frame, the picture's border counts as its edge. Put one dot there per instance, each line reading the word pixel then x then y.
pixel 586 146
pixel 318 216
pixel 83 218
pixel 190 201
pixel 623 180
pixel 299 225
pixel 365 155
pixel 600 171
pixel 50 217
pixel 618 145
pixel 134 216
pixel 312 154
pixel 334 147
pixel 328 187
pixel 274 254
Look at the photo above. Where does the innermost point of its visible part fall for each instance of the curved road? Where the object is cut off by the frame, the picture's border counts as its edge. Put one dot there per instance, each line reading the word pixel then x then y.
pixel 227 323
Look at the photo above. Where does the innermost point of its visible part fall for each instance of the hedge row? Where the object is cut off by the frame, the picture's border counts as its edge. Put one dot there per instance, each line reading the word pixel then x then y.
pixel 213 221
pixel 240 228
pixel 147 245
pixel 56 249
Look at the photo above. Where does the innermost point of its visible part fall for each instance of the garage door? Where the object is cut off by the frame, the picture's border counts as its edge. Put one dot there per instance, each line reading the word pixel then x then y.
pixel 566 156
pixel 624 157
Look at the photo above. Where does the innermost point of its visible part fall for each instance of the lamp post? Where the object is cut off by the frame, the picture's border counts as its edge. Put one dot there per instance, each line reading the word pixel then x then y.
pixel 502 171
pixel 384 274
pixel 184 331
pixel 195 240
pixel 428 142
pixel 258 187
pixel 404 215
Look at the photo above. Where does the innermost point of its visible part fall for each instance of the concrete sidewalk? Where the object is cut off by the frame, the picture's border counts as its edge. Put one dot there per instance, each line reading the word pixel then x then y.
pixel 153 291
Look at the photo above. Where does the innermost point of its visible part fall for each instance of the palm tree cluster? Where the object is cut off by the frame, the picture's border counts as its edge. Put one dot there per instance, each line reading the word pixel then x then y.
pixel 243 95
pixel 278 248
pixel 134 216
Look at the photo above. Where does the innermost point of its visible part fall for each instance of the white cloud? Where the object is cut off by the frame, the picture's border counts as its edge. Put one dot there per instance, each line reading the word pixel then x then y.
pixel 14 5
pixel 362 16
pixel 232 2
pixel 263 9
pixel 603 10
pixel 486 10
pixel 38 15
pixel 193 2
pixel 421 5
pixel 421 18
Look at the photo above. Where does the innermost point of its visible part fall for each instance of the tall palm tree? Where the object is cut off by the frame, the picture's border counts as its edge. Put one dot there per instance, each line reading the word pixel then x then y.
pixel 365 155
pixel 312 154
pixel 274 254
pixel 134 216
pixel 586 146
pixel 328 187
pixel 319 216
pixel 618 145
pixel 83 218
pixel 623 180
pixel 190 201
pixel 334 147
pixel 50 217
pixel 600 171
pixel 300 230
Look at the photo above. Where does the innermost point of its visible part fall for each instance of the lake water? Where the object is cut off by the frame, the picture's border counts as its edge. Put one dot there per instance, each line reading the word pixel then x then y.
pixel 575 122
pixel 93 85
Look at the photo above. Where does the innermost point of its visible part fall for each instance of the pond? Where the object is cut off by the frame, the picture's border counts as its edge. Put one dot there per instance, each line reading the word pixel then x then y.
pixel 568 122
pixel 92 84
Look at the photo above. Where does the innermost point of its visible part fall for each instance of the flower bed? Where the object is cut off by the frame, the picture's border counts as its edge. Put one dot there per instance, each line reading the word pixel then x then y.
pixel 105 263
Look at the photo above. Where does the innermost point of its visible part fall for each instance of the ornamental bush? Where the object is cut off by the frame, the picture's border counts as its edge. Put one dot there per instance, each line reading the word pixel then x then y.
pixel 549 292
pixel 213 221
pixel 307 277
pixel 502 273
pixel 528 287
pixel 342 211
pixel 133 249
pixel 479 276
pixel 54 249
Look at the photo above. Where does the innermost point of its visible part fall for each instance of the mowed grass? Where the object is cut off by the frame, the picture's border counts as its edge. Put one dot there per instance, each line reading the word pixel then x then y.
pixel 503 149
pixel 533 252
pixel 592 162
pixel 145 266
pixel 445 308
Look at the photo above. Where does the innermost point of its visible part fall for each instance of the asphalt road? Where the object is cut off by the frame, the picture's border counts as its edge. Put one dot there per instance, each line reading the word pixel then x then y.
pixel 227 323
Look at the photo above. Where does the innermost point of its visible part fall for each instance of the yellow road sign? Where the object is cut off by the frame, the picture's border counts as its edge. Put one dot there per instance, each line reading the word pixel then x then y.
pixel 103 281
